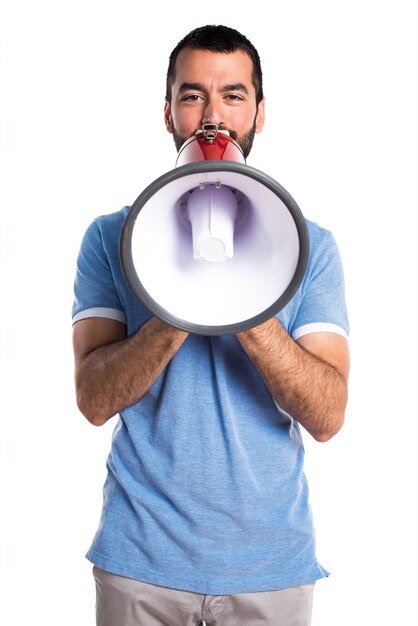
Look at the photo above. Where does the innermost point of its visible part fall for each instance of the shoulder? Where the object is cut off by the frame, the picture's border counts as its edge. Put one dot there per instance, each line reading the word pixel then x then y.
pixel 323 249
pixel 318 235
pixel 104 231
pixel 110 222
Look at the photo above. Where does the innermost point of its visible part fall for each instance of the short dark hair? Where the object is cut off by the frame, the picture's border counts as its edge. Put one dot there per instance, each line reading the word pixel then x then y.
pixel 216 38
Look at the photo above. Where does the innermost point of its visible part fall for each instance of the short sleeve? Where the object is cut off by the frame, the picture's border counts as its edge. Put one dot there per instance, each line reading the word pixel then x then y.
pixel 322 305
pixel 95 293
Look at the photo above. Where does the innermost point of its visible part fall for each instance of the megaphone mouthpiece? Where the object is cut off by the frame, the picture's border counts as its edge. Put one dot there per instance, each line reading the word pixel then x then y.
pixel 209 131
pixel 210 144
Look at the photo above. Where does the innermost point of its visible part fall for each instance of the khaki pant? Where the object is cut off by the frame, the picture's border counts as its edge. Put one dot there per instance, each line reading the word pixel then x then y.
pixel 126 602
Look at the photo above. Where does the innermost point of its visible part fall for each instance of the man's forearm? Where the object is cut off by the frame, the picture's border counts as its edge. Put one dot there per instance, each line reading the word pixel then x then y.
pixel 310 389
pixel 115 376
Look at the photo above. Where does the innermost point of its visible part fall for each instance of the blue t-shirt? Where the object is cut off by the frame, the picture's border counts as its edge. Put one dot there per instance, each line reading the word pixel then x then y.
pixel 205 488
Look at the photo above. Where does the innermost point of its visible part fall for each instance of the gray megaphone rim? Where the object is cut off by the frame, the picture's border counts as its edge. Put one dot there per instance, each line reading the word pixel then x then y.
pixel 156 309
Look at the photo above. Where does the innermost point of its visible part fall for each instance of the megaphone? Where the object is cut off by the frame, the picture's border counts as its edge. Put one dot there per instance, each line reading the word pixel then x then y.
pixel 214 246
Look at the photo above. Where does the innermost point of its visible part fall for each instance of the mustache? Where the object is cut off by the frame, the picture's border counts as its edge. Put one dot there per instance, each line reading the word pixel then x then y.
pixel 232 133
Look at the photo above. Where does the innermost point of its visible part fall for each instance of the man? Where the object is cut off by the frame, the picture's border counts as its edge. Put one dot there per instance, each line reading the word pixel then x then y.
pixel 206 516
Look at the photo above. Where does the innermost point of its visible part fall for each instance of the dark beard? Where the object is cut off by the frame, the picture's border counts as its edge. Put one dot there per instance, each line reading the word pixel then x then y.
pixel 245 142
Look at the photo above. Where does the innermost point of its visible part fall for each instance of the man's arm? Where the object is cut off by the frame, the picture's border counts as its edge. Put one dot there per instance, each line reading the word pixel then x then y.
pixel 308 378
pixel 112 371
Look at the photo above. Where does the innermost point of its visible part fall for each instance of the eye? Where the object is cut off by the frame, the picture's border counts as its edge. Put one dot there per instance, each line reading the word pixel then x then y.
pixel 192 97
pixel 234 97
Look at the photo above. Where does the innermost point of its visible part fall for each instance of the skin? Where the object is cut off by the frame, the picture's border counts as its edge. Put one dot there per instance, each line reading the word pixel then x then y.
pixel 215 88
pixel 308 378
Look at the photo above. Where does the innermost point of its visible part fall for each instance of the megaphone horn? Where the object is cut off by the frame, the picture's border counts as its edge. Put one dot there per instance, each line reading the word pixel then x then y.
pixel 214 246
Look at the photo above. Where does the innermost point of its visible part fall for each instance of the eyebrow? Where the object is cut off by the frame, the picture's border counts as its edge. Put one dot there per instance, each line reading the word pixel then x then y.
pixel 200 87
pixel 236 87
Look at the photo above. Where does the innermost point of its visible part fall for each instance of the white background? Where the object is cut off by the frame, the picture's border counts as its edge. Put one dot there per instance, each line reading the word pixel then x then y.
pixel 82 134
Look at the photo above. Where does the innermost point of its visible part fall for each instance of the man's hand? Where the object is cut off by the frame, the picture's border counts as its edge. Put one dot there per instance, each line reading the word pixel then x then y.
pixel 308 378
pixel 112 371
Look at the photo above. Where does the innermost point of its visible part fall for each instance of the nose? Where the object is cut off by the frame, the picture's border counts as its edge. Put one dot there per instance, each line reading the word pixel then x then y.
pixel 212 113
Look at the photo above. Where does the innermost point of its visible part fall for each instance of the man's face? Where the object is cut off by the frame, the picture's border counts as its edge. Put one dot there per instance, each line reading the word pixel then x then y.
pixel 214 88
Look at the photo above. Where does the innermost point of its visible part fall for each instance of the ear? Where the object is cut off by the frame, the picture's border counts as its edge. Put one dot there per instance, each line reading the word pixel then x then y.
pixel 259 118
pixel 167 117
